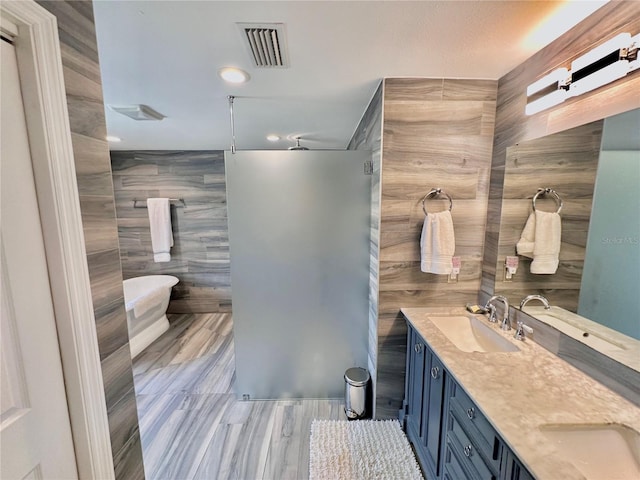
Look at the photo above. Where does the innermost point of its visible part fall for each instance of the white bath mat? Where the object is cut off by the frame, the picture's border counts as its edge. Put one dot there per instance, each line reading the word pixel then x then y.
pixel 360 450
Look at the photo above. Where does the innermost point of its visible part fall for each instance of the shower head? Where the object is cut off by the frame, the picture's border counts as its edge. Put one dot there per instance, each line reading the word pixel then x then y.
pixel 298 146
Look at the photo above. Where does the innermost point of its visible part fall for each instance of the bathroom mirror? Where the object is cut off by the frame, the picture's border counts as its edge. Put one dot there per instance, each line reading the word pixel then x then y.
pixel 595 168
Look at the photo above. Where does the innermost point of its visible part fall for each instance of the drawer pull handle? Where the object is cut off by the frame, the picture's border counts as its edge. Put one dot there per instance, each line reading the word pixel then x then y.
pixel 467 451
pixel 434 372
pixel 471 413
pixel 417 347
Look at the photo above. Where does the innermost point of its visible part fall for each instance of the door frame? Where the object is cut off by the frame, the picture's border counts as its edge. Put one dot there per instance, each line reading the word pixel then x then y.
pixel 45 104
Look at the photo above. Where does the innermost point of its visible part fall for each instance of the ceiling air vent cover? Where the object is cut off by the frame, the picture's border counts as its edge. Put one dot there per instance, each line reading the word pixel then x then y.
pixel 267 44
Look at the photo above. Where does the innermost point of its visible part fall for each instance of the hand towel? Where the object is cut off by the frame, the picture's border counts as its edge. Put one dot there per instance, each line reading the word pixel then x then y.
pixel 437 243
pixel 524 246
pixel 160 225
pixel 546 248
pixel 540 240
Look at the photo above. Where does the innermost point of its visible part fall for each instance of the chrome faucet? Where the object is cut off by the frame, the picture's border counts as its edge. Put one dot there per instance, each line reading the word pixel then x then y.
pixel 528 298
pixel 522 328
pixel 504 325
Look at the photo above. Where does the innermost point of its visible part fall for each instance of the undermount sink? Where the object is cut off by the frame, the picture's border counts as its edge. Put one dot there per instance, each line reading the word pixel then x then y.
pixel 471 335
pixel 598 451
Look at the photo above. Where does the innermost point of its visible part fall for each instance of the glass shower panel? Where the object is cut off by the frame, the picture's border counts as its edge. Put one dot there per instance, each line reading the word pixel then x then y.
pixel 299 243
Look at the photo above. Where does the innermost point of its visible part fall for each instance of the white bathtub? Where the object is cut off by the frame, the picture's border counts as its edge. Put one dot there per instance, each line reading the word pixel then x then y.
pixel 146 299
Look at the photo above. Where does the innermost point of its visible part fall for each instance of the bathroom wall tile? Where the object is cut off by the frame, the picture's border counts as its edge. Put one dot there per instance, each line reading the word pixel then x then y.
pixel 128 462
pixel 87 117
pixel 200 255
pixel 165 182
pixel 397 276
pixel 105 276
pixel 98 223
pixel 123 420
pixel 117 375
pixel 460 185
pixel 78 43
pixel 93 173
pixel 412 154
pixel 80 85
pixel 412 89
pixel 111 329
pixel 77 66
pixel 404 119
pixel 482 90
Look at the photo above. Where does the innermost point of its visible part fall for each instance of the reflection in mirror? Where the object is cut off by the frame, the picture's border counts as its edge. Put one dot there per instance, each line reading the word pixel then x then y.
pixel 595 168
pixel 615 345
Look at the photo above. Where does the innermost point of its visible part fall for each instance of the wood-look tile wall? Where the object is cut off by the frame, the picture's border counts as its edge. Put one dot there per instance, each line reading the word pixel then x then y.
pixel 437 133
pixel 368 136
pixel 513 126
pixel 200 255
pixel 567 162
pixel 88 130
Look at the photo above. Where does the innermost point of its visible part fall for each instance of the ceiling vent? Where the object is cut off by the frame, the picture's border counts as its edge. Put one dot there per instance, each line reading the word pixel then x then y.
pixel 137 112
pixel 266 43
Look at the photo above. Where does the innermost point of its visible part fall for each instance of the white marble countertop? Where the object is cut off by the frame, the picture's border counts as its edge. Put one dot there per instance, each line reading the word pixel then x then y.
pixel 521 391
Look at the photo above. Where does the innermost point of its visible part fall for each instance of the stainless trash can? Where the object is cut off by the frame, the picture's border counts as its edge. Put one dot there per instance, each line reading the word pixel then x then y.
pixel 356 381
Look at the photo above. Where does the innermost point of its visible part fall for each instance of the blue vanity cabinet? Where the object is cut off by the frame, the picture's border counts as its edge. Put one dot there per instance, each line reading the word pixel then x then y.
pixel 425 384
pixel 414 384
pixel 512 469
pixel 433 401
pixel 452 438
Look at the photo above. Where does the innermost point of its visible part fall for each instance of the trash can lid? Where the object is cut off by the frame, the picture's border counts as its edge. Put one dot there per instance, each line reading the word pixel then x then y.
pixel 357 376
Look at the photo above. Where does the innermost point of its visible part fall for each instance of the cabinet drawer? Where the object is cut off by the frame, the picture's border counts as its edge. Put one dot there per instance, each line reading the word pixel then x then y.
pixel 452 468
pixel 466 453
pixel 476 425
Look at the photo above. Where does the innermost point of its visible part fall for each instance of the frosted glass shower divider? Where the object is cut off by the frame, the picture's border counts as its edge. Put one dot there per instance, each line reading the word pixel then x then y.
pixel 299 244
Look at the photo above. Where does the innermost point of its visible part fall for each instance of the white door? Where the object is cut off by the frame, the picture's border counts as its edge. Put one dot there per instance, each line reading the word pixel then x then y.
pixel 35 433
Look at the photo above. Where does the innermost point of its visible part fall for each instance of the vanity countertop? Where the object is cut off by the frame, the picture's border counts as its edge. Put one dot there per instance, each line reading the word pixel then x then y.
pixel 521 391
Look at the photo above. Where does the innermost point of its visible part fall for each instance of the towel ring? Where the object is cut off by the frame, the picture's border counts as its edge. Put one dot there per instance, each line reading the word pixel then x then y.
pixel 546 191
pixel 435 192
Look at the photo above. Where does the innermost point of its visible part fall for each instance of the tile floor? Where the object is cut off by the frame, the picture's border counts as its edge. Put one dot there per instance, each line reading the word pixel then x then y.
pixel 192 426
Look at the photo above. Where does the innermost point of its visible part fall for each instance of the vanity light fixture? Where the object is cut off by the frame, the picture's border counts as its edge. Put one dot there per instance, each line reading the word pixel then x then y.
pixel 604 64
pixel 273 138
pixel 233 75
pixel 550 90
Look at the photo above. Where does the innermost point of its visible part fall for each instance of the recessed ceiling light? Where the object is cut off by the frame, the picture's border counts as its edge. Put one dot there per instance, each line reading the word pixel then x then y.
pixel 111 138
pixel 233 75
pixel 273 138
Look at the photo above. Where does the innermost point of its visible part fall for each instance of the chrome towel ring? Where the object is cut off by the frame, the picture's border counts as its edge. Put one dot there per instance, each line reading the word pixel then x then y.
pixel 547 191
pixel 434 192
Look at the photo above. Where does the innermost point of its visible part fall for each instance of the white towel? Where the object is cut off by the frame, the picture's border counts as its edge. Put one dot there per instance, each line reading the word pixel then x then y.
pixel 160 225
pixel 541 240
pixel 524 246
pixel 437 243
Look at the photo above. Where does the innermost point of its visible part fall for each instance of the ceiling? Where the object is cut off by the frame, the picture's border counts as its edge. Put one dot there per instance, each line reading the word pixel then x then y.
pixel 166 54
